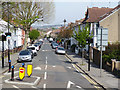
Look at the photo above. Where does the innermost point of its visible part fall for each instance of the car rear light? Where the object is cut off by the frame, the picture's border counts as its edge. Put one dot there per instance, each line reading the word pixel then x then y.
pixel 56 48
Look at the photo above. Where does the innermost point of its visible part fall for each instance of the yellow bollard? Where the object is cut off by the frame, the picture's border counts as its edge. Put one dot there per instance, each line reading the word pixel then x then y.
pixel 21 73
pixel 29 70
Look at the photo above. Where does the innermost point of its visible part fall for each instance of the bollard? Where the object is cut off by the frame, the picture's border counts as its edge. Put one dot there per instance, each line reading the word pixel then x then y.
pixel 9 66
pixel 23 65
pixel 12 74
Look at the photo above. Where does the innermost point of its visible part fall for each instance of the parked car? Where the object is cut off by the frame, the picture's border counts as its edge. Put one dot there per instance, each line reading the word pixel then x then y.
pixel 39 43
pixel 50 39
pixel 25 56
pixel 52 42
pixel 54 45
pixel 33 49
pixel 37 47
pixel 60 50
pixel 41 40
pixel 32 54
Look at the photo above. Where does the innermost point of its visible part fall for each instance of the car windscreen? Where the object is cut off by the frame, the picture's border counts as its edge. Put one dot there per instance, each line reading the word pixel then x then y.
pixel 60 48
pixel 32 48
pixel 24 53
pixel 36 45
pixel 55 44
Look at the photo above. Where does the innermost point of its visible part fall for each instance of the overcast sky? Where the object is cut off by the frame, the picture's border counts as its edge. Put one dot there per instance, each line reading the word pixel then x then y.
pixel 72 11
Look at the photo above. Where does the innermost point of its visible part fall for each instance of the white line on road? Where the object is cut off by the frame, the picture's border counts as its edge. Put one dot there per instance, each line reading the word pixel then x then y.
pixel 45 76
pixel 46 61
pixel 78 86
pixel 16 87
pixel 69 84
pixel 44 86
pixel 46 57
pixel 53 66
pixel 46 67
pixel 75 68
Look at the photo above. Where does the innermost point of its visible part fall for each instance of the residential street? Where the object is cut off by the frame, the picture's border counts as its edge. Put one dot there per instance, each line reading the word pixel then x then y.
pixel 55 71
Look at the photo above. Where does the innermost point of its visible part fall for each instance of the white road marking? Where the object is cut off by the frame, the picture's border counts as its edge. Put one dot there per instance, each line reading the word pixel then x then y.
pixel 44 86
pixel 78 86
pixel 46 61
pixel 69 84
pixel 53 66
pixel 10 73
pixel 46 57
pixel 25 83
pixel 75 68
pixel 45 76
pixel 37 68
pixel 69 67
pixel 16 87
pixel 46 67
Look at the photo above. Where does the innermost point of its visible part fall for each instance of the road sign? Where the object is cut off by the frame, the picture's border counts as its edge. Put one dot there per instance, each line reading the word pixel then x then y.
pixel 104 37
pixel 8 37
pixel 29 70
pixel 21 73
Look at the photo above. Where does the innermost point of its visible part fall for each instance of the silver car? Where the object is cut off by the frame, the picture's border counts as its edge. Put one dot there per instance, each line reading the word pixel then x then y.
pixel 60 50
pixel 25 56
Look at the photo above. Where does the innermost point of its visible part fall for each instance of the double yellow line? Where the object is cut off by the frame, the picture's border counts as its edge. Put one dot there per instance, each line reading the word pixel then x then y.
pixel 88 78
pixel 85 76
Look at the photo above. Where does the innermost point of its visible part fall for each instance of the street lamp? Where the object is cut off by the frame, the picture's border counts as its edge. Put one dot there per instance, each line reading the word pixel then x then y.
pixel 64 22
pixel 8 34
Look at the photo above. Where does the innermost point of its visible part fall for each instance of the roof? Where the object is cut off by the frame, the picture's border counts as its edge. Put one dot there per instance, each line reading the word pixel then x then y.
pixel 107 14
pixel 94 14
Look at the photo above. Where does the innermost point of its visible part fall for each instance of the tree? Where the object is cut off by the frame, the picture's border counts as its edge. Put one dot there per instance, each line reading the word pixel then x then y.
pixel 82 36
pixel 34 34
pixel 27 13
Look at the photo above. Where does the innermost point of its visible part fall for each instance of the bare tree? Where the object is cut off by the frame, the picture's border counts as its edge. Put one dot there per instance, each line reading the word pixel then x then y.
pixel 27 13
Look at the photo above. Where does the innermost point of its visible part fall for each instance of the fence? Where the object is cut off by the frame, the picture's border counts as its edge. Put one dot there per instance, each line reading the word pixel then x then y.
pixel 15 50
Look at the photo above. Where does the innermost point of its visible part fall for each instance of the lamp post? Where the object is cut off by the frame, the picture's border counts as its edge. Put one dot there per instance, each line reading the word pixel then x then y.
pixel 8 32
pixel 64 22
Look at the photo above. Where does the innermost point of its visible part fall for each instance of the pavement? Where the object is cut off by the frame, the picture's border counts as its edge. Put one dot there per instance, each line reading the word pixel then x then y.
pixel 13 58
pixel 106 79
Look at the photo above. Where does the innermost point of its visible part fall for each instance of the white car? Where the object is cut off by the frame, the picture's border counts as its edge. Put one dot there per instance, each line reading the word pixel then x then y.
pixel 60 50
pixel 25 56
pixel 33 48
pixel 41 40
pixel 50 39
pixel 37 47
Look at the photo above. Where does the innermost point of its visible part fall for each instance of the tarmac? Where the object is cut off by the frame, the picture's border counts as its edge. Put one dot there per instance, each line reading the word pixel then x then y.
pixel 107 80
pixel 103 77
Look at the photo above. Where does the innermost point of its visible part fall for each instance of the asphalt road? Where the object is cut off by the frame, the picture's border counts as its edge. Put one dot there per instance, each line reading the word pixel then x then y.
pixel 55 71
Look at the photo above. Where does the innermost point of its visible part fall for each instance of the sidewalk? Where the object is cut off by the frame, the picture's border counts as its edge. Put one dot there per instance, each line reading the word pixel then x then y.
pixel 13 61
pixel 107 80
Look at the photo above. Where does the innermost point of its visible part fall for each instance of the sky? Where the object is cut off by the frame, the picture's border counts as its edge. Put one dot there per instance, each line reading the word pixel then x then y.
pixel 72 11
